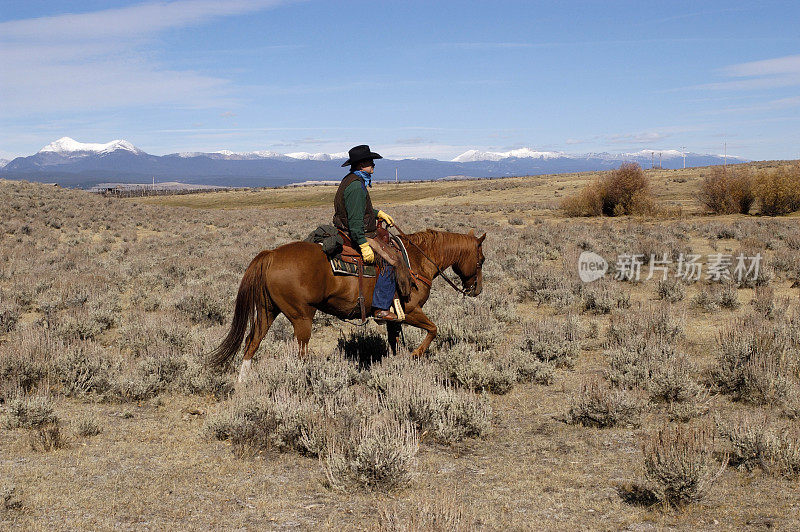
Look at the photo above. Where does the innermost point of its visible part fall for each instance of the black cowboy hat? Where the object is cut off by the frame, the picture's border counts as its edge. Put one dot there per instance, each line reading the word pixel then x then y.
pixel 360 153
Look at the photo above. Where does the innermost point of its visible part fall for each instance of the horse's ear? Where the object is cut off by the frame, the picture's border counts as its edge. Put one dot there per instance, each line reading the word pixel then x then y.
pixel 481 239
pixel 471 232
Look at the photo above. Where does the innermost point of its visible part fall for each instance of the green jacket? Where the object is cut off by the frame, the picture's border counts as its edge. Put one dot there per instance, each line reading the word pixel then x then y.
pixel 351 203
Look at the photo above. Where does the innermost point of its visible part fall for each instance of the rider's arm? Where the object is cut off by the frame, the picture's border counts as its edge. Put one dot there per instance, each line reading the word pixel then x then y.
pixel 355 201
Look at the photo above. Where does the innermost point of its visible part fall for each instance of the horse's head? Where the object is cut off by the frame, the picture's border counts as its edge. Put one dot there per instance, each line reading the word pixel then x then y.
pixel 469 267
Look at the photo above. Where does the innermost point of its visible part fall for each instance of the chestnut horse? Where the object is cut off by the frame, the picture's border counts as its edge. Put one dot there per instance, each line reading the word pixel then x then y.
pixel 296 279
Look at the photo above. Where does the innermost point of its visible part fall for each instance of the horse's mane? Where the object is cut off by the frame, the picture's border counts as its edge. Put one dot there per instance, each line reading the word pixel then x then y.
pixel 439 242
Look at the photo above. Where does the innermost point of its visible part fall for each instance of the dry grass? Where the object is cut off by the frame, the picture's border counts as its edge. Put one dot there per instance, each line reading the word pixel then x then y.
pixel 106 307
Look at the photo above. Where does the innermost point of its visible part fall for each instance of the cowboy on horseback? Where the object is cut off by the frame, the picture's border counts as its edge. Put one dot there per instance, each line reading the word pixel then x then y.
pixel 355 216
pixel 296 279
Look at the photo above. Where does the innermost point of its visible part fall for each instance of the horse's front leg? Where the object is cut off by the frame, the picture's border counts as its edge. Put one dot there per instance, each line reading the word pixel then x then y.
pixel 417 318
pixel 393 331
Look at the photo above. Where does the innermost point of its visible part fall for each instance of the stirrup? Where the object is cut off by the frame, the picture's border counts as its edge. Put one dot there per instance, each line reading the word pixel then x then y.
pixel 398 310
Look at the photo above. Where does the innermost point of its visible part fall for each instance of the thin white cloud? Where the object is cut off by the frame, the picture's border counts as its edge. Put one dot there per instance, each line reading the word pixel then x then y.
pixel 772 105
pixel 772 82
pixel 131 21
pixel 764 74
pixel 788 65
pixel 491 45
pixel 644 137
pixel 96 60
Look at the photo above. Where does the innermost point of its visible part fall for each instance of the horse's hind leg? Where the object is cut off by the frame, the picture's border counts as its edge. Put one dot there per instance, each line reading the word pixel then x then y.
pixel 301 321
pixel 264 319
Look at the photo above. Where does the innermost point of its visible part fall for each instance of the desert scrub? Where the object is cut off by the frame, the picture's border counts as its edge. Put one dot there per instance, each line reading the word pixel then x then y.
pixel 169 371
pixel 625 190
pixel 679 464
pixel 443 513
pixel 464 366
pixel 596 405
pixel 84 368
pixel 600 298
pixel 711 299
pixel 46 437
pixel 18 371
pixel 26 358
pixel 655 323
pixel 78 324
pixel 9 316
pixel 754 442
pixel 756 277
pixel 661 370
pixel 288 404
pixel 204 308
pixel 671 290
pixel 469 320
pixel 267 422
pixel 728 190
pixel 9 499
pixel 554 341
pixel 546 287
pixel 153 333
pixel 88 426
pixel 778 191
pixel 764 303
pixel 414 391
pixel 757 363
pixel 379 456
pixel 30 412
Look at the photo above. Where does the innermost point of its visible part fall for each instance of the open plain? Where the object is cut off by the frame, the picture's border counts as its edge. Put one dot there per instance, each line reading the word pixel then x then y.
pixel 547 403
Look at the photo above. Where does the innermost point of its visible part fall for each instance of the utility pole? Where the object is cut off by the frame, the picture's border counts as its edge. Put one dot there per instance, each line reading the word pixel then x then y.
pixel 659 161
pixel 652 160
pixel 395 176
pixel 683 152
pixel 725 150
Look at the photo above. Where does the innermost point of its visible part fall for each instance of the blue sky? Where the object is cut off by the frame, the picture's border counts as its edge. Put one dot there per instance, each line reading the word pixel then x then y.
pixel 410 78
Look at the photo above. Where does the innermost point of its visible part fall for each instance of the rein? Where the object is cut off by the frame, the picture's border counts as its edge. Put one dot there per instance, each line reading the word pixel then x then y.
pixel 461 291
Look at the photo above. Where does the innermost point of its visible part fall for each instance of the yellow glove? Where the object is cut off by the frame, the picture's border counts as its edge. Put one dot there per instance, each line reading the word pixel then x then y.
pixel 386 218
pixel 367 253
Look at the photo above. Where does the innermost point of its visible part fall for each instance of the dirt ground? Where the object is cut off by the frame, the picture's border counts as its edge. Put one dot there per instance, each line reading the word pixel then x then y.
pixel 154 467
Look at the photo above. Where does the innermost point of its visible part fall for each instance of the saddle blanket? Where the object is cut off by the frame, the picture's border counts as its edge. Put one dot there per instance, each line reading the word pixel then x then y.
pixel 341 267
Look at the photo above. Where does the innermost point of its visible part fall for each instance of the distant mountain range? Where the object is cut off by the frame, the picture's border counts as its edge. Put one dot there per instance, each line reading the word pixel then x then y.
pixel 71 163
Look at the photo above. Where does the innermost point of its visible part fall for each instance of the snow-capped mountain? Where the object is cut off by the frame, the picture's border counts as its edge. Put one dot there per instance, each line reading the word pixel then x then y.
pixel 70 147
pixel 4 162
pixel 472 156
pixel 304 156
pixel 251 155
pixel 228 155
pixel 73 163
pixel 528 153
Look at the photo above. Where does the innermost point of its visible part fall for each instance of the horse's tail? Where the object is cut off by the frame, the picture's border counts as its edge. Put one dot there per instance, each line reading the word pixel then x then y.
pixel 252 294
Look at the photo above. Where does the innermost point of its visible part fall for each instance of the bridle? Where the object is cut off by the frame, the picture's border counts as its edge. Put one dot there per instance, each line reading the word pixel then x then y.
pixel 463 291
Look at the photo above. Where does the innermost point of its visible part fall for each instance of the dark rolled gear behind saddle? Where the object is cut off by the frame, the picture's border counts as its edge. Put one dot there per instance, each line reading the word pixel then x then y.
pixel 329 238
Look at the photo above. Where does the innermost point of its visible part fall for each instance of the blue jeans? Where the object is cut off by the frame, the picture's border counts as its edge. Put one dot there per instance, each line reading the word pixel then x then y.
pixel 383 294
